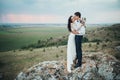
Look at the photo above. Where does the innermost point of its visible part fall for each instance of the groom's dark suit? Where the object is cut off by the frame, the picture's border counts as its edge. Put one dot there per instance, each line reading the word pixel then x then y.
pixel 78 43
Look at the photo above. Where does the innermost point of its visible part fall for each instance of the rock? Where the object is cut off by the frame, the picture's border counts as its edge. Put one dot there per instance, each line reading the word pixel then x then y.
pixel 1 76
pixel 96 66
pixel 21 76
pixel 117 48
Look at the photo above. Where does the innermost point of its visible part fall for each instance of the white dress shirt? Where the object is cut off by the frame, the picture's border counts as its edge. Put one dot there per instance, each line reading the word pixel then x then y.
pixel 78 26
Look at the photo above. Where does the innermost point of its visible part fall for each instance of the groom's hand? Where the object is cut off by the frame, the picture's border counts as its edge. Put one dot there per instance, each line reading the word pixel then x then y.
pixel 75 32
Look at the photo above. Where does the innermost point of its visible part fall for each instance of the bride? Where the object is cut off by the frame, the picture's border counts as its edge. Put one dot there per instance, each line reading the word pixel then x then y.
pixel 71 49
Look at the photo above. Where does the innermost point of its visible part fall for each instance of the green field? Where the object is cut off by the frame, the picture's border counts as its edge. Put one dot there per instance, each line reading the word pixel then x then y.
pixel 14 38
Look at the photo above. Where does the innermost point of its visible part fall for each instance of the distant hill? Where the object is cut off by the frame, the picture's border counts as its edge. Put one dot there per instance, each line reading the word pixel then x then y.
pixel 111 33
pixel 106 39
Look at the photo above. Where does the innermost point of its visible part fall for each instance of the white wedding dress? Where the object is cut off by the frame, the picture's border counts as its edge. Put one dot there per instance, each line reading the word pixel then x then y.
pixel 71 51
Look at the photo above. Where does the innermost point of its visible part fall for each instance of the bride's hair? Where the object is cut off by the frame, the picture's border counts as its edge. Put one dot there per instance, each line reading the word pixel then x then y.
pixel 69 23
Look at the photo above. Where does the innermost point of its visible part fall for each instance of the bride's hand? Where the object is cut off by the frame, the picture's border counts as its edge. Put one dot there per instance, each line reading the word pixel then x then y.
pixel 75 32
pixel 83 24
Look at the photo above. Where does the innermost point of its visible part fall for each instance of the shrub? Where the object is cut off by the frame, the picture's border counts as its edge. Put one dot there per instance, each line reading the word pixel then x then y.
pixel 96 40
pixel 97 43
pixel 61 51
pixel 106 40
pixel 117 55
pixel 94 57
pixel 39 41
pixel 63 42
pixel 31 49
pixel 51 38
pixel 24 47
pixel 63 36
pixel 85 39
pixel 57 55
pixel 14 51
pixel 89 45
pixel 20 50
pixel 44 50
pixel 92 51
pixel 103 46
pixel 108 34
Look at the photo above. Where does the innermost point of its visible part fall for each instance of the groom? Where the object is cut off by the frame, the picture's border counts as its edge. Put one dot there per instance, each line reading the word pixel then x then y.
pixel 78 40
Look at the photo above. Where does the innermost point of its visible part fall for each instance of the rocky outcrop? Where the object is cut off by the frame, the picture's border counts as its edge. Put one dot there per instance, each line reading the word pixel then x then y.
pixel 96 66
pixel 117 48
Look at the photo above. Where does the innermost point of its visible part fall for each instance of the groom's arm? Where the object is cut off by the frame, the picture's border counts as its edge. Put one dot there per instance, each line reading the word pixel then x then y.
pixel 75 32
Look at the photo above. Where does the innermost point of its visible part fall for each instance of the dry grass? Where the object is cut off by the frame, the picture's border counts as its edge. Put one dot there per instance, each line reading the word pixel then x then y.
pixel 13 62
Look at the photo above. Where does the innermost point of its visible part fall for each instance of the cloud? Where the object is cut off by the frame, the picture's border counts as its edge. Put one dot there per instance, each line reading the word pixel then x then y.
pixel 35 9
pixel 105 17
pixel 25 18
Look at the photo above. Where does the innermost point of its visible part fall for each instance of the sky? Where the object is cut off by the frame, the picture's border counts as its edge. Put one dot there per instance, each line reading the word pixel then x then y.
pixel 58 11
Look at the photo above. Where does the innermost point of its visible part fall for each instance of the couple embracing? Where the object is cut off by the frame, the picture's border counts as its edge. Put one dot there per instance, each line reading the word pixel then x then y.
pixel 76 27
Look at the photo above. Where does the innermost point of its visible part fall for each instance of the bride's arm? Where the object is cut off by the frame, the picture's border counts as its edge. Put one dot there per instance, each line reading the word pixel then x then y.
pixel 73 30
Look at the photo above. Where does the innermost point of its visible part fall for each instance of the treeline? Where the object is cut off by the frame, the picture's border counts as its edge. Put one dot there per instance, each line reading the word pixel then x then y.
pixel 47 43
pixel 55 42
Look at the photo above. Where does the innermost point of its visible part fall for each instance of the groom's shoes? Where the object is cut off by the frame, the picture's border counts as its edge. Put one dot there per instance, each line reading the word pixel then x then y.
pixel 76 66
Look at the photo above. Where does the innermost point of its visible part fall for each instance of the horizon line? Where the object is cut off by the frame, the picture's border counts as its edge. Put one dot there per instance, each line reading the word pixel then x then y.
pixel 61 23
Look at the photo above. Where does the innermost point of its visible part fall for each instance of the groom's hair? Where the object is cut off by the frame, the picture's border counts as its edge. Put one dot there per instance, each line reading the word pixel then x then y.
pixel 78 14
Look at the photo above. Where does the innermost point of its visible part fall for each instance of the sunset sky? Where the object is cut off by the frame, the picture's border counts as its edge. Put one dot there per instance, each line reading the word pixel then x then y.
pixel 58 11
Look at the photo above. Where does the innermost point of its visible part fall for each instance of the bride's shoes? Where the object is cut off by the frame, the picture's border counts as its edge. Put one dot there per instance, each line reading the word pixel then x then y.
pixel 75 61
pixel 75 65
